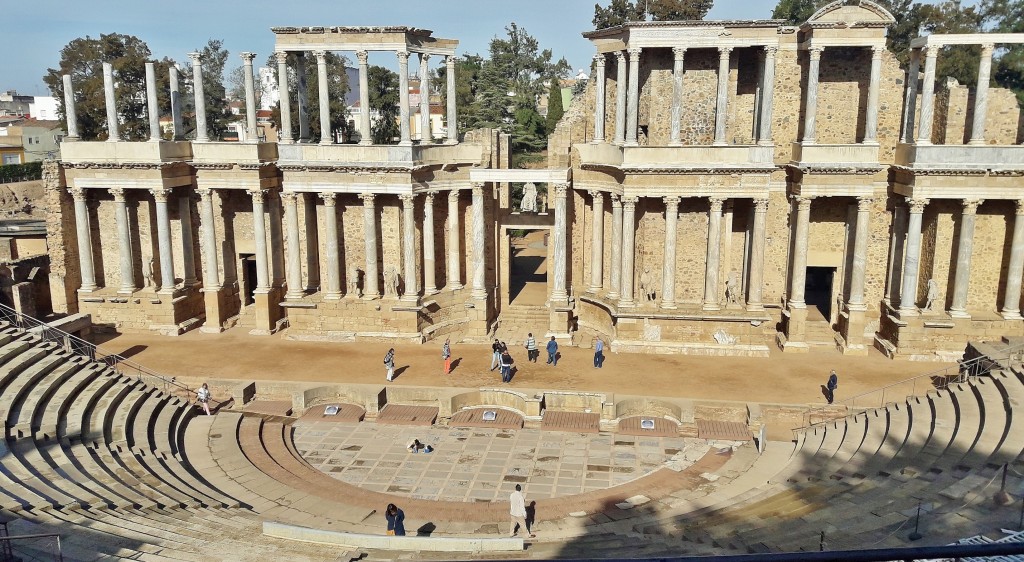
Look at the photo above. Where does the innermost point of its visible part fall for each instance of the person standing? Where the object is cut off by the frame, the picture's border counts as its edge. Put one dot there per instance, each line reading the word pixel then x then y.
pixel 389 364
pixel 495 354
pixel 518 511
pixel 446 354
pixel 553 352
pixel 531 348
pixel 203 398
pixel 831 386
pixel 396 520
pixel 599 353
pixel 506 365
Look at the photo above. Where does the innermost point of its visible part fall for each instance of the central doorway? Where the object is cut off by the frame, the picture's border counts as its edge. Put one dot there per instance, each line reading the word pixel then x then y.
pixel 818 293
pixel 528 267
pixel 248 279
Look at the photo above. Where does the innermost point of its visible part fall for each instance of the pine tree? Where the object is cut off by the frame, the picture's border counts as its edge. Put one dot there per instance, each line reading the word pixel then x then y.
pixel 384 99
pixel 555 109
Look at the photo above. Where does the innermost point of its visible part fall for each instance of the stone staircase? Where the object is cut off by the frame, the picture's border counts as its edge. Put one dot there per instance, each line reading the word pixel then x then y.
pixel 820 335
pixel 516 321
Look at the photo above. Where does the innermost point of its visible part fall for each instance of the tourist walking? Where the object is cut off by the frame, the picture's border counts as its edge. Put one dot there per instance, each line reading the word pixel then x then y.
pixel 396 520
pixel 203 398
pixel 446 354
pixel 553 352
pixel 495 354
pixel 831 386
pixel 506 365
pixel 518 511
pixel 531 348
pixel 389 364
pixel 599 353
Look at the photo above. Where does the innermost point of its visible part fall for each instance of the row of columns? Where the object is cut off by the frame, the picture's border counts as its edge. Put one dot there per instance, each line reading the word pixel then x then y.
pixel 874 85
pixel 627 98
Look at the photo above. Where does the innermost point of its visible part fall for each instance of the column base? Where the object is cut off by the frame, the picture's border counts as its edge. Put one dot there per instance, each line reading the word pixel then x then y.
pixel 366 143
pixel 958 313
pixel 597 140
pixel 294 296
pixel 909 311
pixel 410 298
pixel 675 143
pixel 612 295
pixel 126 290
pixel 711 306
pixel 594 289
pixel 479 294
pixel 325 143
pixel 976 142
pixel 668 305
pixel 1011 315
pixel 631 143
pixel 332 296
pixel 405 143
pixel 627 303
pixel 88 289
pixel 370 297
pixel 430 291
pixel 454 287
pixel 755 307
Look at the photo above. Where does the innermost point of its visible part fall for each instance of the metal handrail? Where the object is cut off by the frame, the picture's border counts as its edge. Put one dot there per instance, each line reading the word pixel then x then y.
pixel 8 539
pixel 78 346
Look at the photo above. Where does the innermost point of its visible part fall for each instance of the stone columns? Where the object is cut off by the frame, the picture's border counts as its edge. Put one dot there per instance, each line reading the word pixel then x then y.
pixel 628 249
pixel 312 243
pixel 151 106
pixel 163 235
pixel 558 292
pixel 365 134
pixel 633 97
pixel 412 289
pixel 721 105
pixel 924 135
pixel 912 257
pixel 176 122
pixel 84 240
pixel 811 108
pixel 403 98
pixel 454 273
pixel 333 291
pixel 755 279
pixel 124 242
pixel 860 255
pixel 425 133
pixel 711 301
pixel 259 227
pixel 764 133
pixel 200 97
pixel 211 269
pixel 981 95
pixel 69 108
pixel 1011 297
pixel 620 98
pixel 187 251
pixel 326 135
pixel 910 99
pixel 285 134
pixel 479 244
pixel 301 98
pixel 615 267
pixel 371 287
pixel 964 250
pixel 871 119
pixel 251 133
pixel 599 97
pixel 798 273
pixel 429 261
pixel 597 243
pixel 668 278
pixel 678 68
pixel 294 271
pixel 113 135
pixel 453 122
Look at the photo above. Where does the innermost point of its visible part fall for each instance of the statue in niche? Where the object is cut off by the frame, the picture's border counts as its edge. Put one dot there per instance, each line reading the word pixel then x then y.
pixel 543 208
pixel 732 288
pixel 149 273
pixel 529 202
pixel 933 293
pixel 647 285
pixel 353 281
pixel 391 279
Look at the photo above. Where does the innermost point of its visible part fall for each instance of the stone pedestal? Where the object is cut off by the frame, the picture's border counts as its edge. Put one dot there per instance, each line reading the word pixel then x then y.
pixel 851 327
pixel 216 317
pixel 794 335
pixel 268 312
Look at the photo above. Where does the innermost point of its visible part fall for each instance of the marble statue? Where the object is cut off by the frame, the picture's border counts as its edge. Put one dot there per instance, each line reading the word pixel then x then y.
pixel 933 293
pixel 732 288
pixel 529 202
pixel 150 274
pixel 391 279
pixel 353 282
pixel 647 286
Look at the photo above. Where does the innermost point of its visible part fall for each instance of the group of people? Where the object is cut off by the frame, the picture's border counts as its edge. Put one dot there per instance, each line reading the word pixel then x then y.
pixel 520 520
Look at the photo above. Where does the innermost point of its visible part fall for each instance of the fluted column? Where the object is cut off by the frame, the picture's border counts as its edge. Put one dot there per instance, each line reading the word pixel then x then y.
pixel 124 242
pixel 113 134
pixel 84 235
pixel 668 277
pixel 176 121
pixel 187 246
pixel 910 97
pixel 454 273
pixel 202 134
pixel 678 68
pixel 755 277
pixel 453 123
pixel 259 227
pixel 211 268
pixel 711 301
pixel 1011 296
pixel 251 133
pixel 152 109
pixel 479 243
pixel 981 95
pixel 721 105
pixel 599 97
pixel 300 94
pixel 371 287
pixel 425 134
pixel 365 134
pixel 163 235
pixel 69 109
pixel 628 250
pixel 860 254
pixel 874 87
pixel 764 134
pixel 326 135
pixel 798 273
pixel 615 267
pixel 412 289
pixel 912 257
pixel 403 98
pixel 924 135
pixel 633 97
pixel 811 107
pixel 620 97
pixel 285 134
pixel 597 242
pixel 333 291
pixel 294 271
pixel 559 292
pixel 429 260
pixel 962 280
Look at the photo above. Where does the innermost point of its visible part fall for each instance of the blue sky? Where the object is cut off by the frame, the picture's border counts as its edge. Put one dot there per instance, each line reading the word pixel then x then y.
pixel 173 28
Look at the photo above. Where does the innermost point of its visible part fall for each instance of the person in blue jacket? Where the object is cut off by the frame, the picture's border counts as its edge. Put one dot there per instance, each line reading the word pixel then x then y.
pixel 396 520
pixel 553 352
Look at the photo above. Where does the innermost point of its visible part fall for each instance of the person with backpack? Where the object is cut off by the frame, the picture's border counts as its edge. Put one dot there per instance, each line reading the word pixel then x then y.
pixel 831 386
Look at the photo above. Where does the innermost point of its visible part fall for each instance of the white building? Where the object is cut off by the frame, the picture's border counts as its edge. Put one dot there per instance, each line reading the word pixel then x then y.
pixel 43 108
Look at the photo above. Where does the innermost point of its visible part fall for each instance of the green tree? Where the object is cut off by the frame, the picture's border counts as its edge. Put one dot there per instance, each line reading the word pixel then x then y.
pixel 529 131
pixel 620 12
pixel 218 115
pixel 617 13
pixel 467 77
pixel 82 58
pixel 384 99
pixel 795 12
pixel 1006 16
pixel 555 109
pixel 949 16
pixel 337 88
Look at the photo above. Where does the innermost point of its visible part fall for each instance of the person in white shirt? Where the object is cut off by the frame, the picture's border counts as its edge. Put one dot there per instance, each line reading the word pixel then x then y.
pixel 518 501
pixel 203 397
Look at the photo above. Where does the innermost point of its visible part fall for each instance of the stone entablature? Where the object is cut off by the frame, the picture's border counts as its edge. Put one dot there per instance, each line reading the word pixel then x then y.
pixel 348 38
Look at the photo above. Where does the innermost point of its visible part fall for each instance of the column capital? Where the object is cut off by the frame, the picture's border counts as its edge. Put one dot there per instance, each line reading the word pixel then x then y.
pixel 930 52
pixel 561 190
pixel 1020 207
pixel 453 195
pixel 594 193
pixel 206 194
pixel 281 57
pixel 160 194
pixel 629 203
pixel 679 52
pixel 986 49
pixel 428 198
pixel 424 57
pixel 716 204
pixel 407 199
pixel 917 205
pixel 118 193
pixel 620 57
pixel 289 197
pixel 770 51
pixel 257 195
pixel 876 51
pixel 671 201
pixel 328 197
pixel 478 188
pixel 724 52
pixel 403 57
pixel 247 57
pixel 634 54
pixel 864 203
pixel 368 198
pixel 761 204
pixel 196 57
pixel 321 56
pixel 616 200
pixel 599 59
pixel 815 52
pixel 803 202
pixel 971 205
pixel 450 60
pixel 362 57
